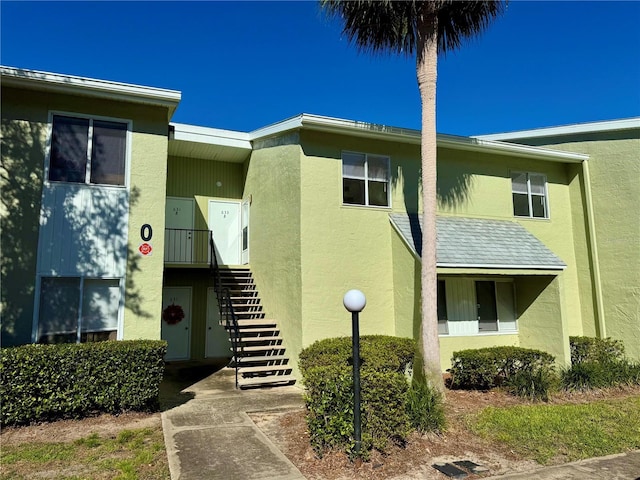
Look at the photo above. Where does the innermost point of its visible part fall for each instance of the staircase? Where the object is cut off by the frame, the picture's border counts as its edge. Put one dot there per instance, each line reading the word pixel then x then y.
pixel 258 353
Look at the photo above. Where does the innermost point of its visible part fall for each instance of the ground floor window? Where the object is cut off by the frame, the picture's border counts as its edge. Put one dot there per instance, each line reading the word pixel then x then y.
pixel 468 306
pixel 77 309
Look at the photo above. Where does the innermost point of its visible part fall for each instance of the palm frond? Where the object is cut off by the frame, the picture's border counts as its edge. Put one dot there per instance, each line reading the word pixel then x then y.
pixel 392 26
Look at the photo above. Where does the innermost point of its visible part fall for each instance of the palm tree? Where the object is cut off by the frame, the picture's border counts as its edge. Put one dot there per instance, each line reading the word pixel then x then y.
pixel 423 29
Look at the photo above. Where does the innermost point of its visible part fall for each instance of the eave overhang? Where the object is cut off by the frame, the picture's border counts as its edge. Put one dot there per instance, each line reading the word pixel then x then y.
pixel 564 130
pixel 208 143
pixel 74 85
pixel 410 136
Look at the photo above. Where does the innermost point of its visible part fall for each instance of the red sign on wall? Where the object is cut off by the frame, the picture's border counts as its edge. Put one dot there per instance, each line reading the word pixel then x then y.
pixel 145 249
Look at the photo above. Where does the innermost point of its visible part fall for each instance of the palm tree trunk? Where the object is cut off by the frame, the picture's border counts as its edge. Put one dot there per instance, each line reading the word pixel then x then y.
pixel 426 70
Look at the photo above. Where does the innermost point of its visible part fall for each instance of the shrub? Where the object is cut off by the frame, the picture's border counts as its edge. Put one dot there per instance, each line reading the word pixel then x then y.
pixel 589 349
pixel 534 384
pixel 486 368
pixel 594 375
pixel 49 382
pixel 329 400
pixel 425 407
pixel 327 372
pixel 377 352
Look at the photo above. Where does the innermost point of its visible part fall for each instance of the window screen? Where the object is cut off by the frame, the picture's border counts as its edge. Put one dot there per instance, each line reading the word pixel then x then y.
pixel 59 304
pixel 69 142
pixel 487 312
pixel 108 153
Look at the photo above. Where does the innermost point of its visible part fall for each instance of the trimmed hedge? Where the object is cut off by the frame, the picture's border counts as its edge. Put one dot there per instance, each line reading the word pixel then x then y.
pixel 486 368
pixel 590 349
pixel 50 382
pixel 329 400
pixel 598 363
pixel 377 352
pixel 327 370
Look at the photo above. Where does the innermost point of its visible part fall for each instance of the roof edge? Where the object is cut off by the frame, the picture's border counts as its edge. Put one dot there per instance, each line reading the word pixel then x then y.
pixel 405 135
pixel 61 83
pixel 212 136
pixel 577 128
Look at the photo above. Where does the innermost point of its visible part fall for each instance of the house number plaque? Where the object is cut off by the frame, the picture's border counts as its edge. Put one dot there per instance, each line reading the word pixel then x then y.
pixel 146 232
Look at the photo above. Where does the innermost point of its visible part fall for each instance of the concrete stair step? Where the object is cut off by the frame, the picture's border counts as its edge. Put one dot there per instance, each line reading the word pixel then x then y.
pixel 272 338
pixel 270 381
pixel 259 348
pixel 263 369
pixel 265 330
pixel 262 359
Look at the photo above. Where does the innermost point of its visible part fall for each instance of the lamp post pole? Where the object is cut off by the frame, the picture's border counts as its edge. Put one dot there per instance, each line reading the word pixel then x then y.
pixel 355 301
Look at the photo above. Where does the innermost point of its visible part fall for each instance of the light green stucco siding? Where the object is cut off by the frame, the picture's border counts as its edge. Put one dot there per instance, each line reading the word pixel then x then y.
pixel 614 167
pixel 24 132
pixel 343 247
pixel 347 247
pixel 25 116
pixel 273 184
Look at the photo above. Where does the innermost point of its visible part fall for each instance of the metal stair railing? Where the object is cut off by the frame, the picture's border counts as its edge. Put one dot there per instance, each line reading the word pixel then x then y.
pixel 225 306
pixel 187 246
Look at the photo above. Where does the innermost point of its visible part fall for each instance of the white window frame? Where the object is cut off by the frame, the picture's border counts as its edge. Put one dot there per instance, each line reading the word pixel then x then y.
pixel 91 118
pixel 478 332
pixel 365 178
pixel 82 278
pixel 530 195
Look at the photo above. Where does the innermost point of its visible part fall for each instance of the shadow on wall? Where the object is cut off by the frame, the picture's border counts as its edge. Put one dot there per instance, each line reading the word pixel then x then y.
pixel 21 184
pixel 452 191
pixel 95 220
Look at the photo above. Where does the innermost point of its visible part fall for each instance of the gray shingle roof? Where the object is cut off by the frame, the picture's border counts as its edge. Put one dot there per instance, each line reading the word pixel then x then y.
pixel 472 242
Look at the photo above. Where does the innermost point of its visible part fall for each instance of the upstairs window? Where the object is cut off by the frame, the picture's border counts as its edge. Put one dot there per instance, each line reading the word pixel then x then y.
pixel 365 179
pixel 529 192
pixel 84 150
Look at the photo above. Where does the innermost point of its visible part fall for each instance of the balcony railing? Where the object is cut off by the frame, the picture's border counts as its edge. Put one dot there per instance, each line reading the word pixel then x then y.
pixel 187 246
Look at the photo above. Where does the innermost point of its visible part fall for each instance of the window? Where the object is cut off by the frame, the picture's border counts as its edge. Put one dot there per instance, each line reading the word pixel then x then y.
pixel 468 306
pixel 365 179
pixel 529 192
pixel 496 307
pixel 84 150
pixel 74 309
pixel 442 308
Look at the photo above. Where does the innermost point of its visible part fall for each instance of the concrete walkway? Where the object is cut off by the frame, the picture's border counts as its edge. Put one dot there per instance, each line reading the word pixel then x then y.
pixel 614 467
pixel 209 435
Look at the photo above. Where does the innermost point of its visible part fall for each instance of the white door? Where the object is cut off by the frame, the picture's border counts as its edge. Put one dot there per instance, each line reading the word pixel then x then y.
pixel 245 232
pixel 176 322
pixel 224 221
pixel 217 343
pixel 178 244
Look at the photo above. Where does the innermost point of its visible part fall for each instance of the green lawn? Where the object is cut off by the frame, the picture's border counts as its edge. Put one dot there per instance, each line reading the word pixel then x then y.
pixel 133 454
pixel 551 433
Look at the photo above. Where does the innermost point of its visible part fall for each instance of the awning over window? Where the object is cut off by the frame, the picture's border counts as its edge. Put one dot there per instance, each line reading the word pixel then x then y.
pixel 478 243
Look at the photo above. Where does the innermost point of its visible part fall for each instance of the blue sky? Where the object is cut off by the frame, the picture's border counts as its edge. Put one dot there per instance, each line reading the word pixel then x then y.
pixel 243 65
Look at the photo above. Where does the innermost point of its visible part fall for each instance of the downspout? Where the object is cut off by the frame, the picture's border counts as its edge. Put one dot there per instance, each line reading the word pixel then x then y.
pixel 602 330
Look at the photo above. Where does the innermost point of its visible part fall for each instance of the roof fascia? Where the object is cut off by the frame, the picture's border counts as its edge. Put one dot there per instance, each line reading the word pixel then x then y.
pixel 382 132
pixel 71 84
pixel 211 136
pixel 593 127
pixel 504 148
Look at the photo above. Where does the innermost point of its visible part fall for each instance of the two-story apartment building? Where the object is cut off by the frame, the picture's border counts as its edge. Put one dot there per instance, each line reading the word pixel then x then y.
pixel 108 209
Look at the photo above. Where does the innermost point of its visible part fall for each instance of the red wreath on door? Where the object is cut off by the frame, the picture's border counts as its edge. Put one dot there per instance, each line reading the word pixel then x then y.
pixel 173 314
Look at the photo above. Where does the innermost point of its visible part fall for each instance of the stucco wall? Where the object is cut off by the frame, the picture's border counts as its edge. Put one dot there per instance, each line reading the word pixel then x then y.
pixel 24 131
pixel 344 246
pixel 542 321
pixel 614 167
pixel 273 184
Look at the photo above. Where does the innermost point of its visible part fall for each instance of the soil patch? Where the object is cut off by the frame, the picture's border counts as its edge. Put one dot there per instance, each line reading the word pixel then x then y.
pixel 289 433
